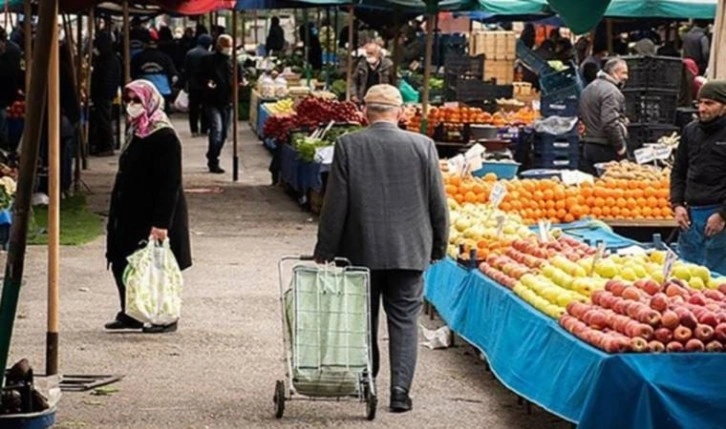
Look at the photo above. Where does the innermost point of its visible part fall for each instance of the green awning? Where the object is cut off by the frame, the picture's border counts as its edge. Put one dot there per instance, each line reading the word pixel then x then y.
pixel 513 7
pixel 580 16
pixel 675 9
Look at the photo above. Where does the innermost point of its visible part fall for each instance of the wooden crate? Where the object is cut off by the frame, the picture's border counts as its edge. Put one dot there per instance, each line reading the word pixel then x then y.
pixel 501 70
pixel 496 45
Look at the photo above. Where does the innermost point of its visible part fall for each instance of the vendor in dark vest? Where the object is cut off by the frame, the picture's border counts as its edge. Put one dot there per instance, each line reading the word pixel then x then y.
pixel 373 70
pixel 698 182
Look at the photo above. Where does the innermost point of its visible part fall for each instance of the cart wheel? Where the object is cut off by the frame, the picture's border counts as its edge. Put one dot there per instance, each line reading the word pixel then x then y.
pixel 371 402
pixel 279 399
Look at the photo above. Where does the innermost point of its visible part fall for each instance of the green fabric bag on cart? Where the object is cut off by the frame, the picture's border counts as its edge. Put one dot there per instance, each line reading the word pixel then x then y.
pixel 153 284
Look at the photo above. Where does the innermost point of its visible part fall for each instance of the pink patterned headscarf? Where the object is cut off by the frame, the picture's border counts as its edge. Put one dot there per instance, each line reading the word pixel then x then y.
pixel 153 118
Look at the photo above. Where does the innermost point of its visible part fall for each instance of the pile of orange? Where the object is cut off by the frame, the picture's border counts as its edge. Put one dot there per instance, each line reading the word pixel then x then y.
pixel 551 199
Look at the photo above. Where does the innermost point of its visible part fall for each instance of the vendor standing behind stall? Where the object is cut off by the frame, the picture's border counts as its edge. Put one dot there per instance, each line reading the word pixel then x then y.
pixel 698 182
pixel 602 112
pixel 375 70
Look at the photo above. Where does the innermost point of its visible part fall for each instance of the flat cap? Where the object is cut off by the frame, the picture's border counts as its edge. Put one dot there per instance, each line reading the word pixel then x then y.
pixel 384 94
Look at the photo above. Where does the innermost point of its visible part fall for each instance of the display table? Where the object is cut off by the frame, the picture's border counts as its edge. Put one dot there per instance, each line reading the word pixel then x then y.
pixel 256 101
pixel 263 113
pixel 300 176
pixel 533 356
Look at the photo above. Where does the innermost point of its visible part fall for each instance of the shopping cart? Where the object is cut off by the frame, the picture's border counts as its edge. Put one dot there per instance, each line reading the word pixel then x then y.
pixel 327 342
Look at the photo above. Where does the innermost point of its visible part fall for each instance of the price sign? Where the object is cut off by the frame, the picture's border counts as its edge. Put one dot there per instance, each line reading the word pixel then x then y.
pixel 500 225
pixel 497 195
pixel 600 253
pixel 644 155
pixel 456 164
pixel 670 259
pixel 544 230
pixel 662 152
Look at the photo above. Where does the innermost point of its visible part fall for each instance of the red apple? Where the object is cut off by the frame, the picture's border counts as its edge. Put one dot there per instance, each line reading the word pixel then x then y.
pixel 577 309
pixel 640 330
pixel 608 301
pixel 714 346
pixel 621 306
pixel 670 319
pixel 649 316
pixel 687 318
pixel 720 332
pixel 676 300
pixel 598 320
pixel 616 287
pixel 615 344
pixel 675 290
pixel 631 293
pixel 714 295
pixel 695 345
pixel 674 347
pixel 656 347
pixel 664 335
pixel 697 299
pixel 722 289
pixel 596 297
pixel 638 345
pixel 703 333
pixel 682 334
pixel 659 302
pixel 708 318
pixel 648 286
pixel 634 308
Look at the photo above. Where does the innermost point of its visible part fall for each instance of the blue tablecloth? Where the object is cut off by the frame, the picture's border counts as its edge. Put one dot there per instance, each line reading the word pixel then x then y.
pixel 533 356
pixel 262 114
pixel 6 217
pixel 301 176
pixel 590 231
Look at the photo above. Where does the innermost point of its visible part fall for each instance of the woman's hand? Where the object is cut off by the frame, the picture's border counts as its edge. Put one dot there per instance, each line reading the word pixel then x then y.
pixel 159 234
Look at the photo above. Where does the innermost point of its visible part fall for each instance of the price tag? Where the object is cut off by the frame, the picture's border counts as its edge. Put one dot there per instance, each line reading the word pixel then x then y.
pixel 500 225
pixel 497 195
pixel 644 155
pixel 600 253
pixel 456 164
pixel 670 259
pixel 661 152
pixel 570 177
pixel 544 230
pixel 475 152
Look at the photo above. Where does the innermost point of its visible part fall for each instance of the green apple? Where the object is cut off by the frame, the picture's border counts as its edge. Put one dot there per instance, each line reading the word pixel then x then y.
pixel 565 298
pixel 681 272
pixel 716 282
pixel 701 272
pixel 696 283
pixel 607 269
pixel 628 274
pixel 658 257
pixel 657 276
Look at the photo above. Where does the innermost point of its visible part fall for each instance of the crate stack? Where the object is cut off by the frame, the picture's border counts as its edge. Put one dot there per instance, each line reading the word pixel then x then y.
pixel 651 98
pixel 561 152
pixel 458 69
pixel 500 50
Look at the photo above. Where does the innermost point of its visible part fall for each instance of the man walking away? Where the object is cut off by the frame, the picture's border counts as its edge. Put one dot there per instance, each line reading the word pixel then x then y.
pixel 698 182
pixel 275 42
pixel 385 209
pixel 602 111
pixel 155 66
pixel 195 88
pixel 696 45
pixel 105 82
pixel 375 70
pixel 216 78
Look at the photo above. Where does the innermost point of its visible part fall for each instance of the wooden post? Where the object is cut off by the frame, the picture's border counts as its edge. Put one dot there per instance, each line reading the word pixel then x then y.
pixel 83 152
pixel 235 97
pixel 306 49
pixel 397 42
pixel 430 28
pixel 254 28
pixel 28 42
pixel 609 35
pixel 15 263
pixel 51 347
pixel 349 72
pixel 127 41
pixel 335 34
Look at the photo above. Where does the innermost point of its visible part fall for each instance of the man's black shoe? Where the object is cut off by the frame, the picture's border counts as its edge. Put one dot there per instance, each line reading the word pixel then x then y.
pixel 216 170
pixel 160 329
pixel 400 401
pixel 123 321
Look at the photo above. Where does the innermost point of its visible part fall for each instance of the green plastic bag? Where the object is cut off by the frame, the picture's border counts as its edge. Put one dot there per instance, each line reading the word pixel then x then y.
pixel 153 284
pixel 408 94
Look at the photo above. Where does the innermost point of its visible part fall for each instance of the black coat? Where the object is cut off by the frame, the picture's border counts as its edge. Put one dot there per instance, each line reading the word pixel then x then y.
pixel 11 74
pixel 193 67
pixel 106 76
pixel 148 192
pixel 275 39
pixel 217 68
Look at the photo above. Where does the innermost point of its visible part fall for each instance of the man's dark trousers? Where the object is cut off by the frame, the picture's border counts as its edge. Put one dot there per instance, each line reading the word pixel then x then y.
pixel 402 293
pixel 196 113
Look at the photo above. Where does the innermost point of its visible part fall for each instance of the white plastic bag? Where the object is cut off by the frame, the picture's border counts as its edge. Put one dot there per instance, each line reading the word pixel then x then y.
pixel 181 104
pixel 153 284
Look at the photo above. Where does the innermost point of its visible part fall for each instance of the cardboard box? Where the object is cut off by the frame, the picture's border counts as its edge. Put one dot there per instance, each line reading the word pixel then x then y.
pixel 501 70
pixel 496 45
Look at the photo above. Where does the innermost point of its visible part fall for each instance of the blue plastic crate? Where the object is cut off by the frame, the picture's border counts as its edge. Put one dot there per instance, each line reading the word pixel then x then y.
pixel 550 143
pixel 557 163
pixel 540 174
pixel 561 84
pixel 559 106
pixel 503 170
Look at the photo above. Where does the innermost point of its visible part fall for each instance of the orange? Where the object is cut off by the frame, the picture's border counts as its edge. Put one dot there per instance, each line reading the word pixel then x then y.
pixel 596 212
pixel 610 202
pixel 647 212
pixel 551 213
pixel 621 202
pixel 590 201
pixel 505 206
pixel 459 198
pixel 451 189
pixel 599 202
pixel 656 213
pixel 560 204
pixel 470 197
pixel 652 202
pixel 606 212
pixel 550 204
pixel 636 213
pixel 638 193
pixel 615 212
pixel 631 203
pixel 561 213
pixel 455 180
pixel 649 192
pixel 599 192
pixel 618 193
pixel 538 195
pixel 571 202
pixel 625 213
pixel 586 192
pixel 490 177
pixel 569 218
pixel 559 193
pixel 548 194
pixel 482 198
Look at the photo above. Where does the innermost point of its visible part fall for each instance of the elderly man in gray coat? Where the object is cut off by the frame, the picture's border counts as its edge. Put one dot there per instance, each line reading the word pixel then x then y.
pixel 385 209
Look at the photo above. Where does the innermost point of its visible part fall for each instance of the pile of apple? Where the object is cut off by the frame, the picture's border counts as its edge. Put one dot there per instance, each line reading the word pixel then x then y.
pixel 644 316
pixel 504 270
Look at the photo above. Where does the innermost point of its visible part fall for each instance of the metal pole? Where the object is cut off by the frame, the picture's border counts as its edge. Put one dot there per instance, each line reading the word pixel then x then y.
pixel 306 49
pixel 90 30
pixel 127 41
pixel 397 42
pixel 349 71
pixel 28 30
pixel 335 34
pixel 254 28
pixel 235 98
pixel 430 27
pixel 51 346
pixel 609 33
pixel 15 263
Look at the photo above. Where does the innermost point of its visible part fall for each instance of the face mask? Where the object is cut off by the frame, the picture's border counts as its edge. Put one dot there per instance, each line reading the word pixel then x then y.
pixel 372 60
pixel 134 110
pixel 227 51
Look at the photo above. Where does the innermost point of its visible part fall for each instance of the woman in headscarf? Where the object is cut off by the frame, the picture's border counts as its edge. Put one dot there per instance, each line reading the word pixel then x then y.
pixel 147 201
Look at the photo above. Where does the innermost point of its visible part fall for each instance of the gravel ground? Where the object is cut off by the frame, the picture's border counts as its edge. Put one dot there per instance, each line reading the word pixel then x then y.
pixel 219 369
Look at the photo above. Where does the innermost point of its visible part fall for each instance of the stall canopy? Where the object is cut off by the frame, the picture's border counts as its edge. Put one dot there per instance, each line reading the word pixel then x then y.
pixel 182 7
pixel 580 16
pixel 673 9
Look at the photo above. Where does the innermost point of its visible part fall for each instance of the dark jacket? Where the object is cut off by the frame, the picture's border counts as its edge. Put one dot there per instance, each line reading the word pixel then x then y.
pixel 275 39
pixel 148 192
pixel 11 74
pixel 106 77
pixel 385 206
pixel 698 177
pixel 217 68
pixel 362 71
pixel 697 47
pixel 193 67
pixel 602 110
